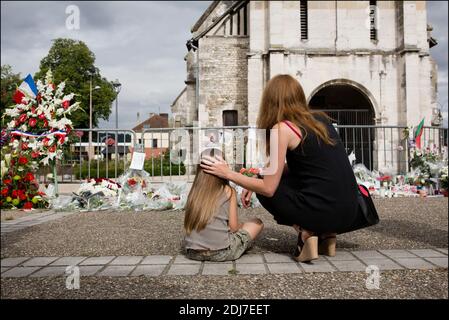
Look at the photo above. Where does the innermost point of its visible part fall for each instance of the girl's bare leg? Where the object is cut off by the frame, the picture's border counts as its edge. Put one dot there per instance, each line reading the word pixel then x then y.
pixel 254 226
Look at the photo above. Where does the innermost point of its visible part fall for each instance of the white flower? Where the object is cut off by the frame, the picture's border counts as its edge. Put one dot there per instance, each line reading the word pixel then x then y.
pixel 60 124
pixel 15 144
pixel 3 168
pixel 12 112
pixel 11 124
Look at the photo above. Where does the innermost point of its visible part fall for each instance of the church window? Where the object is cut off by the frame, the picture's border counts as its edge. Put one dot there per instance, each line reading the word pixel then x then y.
pixel 303 20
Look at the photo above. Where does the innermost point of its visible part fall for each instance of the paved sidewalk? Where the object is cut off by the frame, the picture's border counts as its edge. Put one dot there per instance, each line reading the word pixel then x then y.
pixel 32 220
pixel 266 263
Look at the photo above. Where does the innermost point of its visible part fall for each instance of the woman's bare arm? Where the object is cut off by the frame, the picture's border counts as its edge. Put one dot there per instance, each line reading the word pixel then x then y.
pixel 266 186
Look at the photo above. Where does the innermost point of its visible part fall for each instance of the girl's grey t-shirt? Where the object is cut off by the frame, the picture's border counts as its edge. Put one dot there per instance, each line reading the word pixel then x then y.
pixel 215 235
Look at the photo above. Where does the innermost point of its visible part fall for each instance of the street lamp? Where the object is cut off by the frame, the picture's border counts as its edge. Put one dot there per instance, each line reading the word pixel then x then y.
pixel 90 116
pixel 89 154
pixel 117 87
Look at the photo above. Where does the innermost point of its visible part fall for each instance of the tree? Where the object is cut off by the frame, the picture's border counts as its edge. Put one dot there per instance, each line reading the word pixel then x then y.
pixel 9 83
pixel 72 61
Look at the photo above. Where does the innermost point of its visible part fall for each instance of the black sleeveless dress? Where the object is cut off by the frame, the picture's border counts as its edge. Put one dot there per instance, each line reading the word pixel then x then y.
pixel 319 193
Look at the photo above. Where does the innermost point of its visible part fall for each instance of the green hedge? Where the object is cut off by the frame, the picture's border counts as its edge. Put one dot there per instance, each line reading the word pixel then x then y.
pixel 148 166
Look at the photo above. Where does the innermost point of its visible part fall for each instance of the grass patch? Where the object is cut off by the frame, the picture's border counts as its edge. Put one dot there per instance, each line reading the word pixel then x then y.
pixel 233 271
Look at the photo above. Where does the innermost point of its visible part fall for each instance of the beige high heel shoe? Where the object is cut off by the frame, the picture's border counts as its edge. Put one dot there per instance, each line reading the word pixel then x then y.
pixel 306 251
pixel 327 246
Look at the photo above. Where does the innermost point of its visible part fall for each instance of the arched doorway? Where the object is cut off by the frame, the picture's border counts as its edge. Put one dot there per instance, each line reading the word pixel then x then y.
pixel 350 106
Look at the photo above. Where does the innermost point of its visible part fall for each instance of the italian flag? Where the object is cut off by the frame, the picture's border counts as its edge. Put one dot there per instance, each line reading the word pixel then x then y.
pixel 418 133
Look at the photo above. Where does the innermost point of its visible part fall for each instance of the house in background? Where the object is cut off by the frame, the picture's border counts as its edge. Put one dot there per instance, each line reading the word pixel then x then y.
pixel 153 142
pixel 103 146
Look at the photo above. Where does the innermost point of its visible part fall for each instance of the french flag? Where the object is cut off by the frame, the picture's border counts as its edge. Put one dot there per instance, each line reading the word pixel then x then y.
pixel 27 87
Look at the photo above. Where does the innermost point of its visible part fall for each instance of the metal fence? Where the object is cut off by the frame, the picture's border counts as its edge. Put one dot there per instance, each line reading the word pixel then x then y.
pixel 388 147
pixel 96 153
pixel 170 152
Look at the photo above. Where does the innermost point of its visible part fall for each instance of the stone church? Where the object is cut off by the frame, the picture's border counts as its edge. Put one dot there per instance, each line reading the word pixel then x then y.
pixel 363 62
pixel 366 62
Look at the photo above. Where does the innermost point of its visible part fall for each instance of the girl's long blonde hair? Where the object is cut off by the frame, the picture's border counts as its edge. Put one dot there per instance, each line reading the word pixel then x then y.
pixel 203 200
pixel 284 99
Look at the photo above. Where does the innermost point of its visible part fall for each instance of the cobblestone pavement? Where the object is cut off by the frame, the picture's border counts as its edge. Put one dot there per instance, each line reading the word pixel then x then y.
pixel 267 263
pixel 125 255
pixel 31 220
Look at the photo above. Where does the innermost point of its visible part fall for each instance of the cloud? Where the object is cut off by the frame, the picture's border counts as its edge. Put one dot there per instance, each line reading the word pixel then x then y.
pixel 140 43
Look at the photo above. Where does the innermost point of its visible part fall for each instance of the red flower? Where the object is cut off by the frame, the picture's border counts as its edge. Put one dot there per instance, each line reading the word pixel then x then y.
pixel 253 170
pixel 22 197
pixel 4 192
pixel 38 98
pixel 41 116
pixel 24 146
pixel 22 118
pixel 68 129
pixel 132 182
pixel 61 139
pixel 35 154
pixel 33 110
pixel 32 122
pixel 28 205
pixel 23 160
pixel 242 171
pixel 18 96
pixel 28 176
pixel 52 148
pixel 52 86
pixel 45 123
pixel 14 193
pixel 66 104
pixel 45 141
pixel 7 181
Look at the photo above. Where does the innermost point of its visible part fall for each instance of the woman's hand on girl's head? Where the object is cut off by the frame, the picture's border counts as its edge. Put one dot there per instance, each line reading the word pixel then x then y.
pixel 216 166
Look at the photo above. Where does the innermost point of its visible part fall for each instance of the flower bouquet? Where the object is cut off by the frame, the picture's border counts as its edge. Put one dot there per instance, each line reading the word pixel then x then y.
pixel 38 123
pixel 19 187
pixel 168 196
pixel 251 172
pixel 136 189
pixel 97 194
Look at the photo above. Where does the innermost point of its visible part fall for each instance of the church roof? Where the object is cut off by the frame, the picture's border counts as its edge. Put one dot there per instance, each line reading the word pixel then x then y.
pixel 233 6
pixel 179 96
pixel 203 17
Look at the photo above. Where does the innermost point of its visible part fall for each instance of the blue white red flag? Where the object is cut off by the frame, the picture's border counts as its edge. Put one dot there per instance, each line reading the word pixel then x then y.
pixel 28 86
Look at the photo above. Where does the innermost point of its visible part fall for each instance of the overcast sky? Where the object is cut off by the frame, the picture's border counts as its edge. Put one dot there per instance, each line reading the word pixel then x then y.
pixel 140 43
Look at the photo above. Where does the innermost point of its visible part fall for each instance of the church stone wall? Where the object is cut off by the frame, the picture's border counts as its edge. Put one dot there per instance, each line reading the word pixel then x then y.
pixel 223 76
